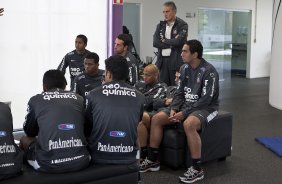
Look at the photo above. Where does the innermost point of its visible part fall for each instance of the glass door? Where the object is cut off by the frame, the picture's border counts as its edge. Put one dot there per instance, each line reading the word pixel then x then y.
pixel 224 35
pixel 131 19
pixel 215 33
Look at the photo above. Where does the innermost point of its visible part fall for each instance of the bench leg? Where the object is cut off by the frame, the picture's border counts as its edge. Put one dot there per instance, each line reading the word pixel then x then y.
pixel 221 159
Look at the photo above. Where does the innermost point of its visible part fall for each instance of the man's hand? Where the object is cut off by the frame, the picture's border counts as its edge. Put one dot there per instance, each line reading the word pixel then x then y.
pixel 167 101
pixel 172 112
pixel 1 11
pixel 175 117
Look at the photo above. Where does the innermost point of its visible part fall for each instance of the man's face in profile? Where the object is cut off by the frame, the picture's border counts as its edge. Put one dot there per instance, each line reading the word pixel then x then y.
pixel 119 46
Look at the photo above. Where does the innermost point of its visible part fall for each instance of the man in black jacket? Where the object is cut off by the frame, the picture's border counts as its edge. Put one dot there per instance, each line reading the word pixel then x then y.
pixel 92 76
pixel 74 59
pixel 11 157
pixel 122 44
pixel 113 111
pixel 56 118
pixel 155 98
pixel 195 102
pixel 169 38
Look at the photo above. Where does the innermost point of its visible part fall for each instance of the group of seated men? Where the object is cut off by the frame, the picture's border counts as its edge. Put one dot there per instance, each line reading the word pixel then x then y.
pixel 108 114
pixel 64 134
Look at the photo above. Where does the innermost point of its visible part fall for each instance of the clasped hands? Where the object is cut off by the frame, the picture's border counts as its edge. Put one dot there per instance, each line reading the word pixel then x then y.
pixel 175 117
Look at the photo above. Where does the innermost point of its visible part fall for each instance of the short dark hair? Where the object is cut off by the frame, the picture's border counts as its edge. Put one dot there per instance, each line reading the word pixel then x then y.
pixel 54 79
pixel 92 55
pixel 195 46
pixel 125 38
pixel 125 30
pixel 83 37
pixel 171 4
pixel 118 66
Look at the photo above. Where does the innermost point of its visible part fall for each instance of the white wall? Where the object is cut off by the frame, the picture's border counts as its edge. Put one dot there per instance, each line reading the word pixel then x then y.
pixel 275 87
pixel 35 36
pixel 151 14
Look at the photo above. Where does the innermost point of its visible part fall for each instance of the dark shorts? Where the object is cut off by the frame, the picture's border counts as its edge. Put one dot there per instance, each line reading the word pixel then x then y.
pixel 152 113
pixel 205 115
pixel 30 156
pixel 30 153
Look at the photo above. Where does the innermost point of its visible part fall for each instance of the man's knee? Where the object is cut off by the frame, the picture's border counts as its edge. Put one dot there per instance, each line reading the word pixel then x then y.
pixel 192 123
pixel 160 119
pixel 146 120
pixel 25 141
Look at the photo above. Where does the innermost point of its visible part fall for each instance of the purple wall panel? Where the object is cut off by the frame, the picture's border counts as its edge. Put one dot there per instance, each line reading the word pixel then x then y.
pixel 116 23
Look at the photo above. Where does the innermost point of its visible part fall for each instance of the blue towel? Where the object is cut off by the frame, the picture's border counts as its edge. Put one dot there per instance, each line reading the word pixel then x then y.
pixel 272 143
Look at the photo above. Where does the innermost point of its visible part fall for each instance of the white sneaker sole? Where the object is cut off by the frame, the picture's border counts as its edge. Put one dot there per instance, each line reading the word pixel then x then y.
pixel 183 179
pixel 150 169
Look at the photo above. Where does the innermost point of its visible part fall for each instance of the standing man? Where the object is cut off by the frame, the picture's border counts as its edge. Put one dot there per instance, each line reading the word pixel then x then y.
pixel 54 128
pixel 195 103
pixel 169 38
pixel 11 156
pixel 74 59
pixel 113 112
pixel 91 78
pixel 122 44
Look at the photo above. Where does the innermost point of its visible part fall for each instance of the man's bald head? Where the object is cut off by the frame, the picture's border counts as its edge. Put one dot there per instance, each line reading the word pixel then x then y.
pixel 153 69
pixel 151 74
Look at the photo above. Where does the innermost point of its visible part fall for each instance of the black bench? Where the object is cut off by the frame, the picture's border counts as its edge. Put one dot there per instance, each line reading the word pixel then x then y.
pixel 96 174
pixel 99 174
pixel 216 142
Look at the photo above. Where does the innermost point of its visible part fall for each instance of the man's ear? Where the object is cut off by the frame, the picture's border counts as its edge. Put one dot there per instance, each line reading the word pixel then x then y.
pixel 126 47
pixel 110 75
pixel 195 54
pixel 45 87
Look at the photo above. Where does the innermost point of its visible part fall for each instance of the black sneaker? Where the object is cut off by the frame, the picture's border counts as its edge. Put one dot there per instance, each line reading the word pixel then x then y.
pixel 140 161
pixel 148 165
pixel 192 175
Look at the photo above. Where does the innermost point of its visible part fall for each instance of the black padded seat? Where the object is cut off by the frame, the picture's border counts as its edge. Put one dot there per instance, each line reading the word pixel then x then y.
pixel 173 146
pixel 97 174
pixel 216 142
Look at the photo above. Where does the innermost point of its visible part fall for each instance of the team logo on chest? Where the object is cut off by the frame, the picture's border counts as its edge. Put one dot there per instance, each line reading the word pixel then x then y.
pixel 66 126
pixel 199 78
pixel 117 134
pixel 2 134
